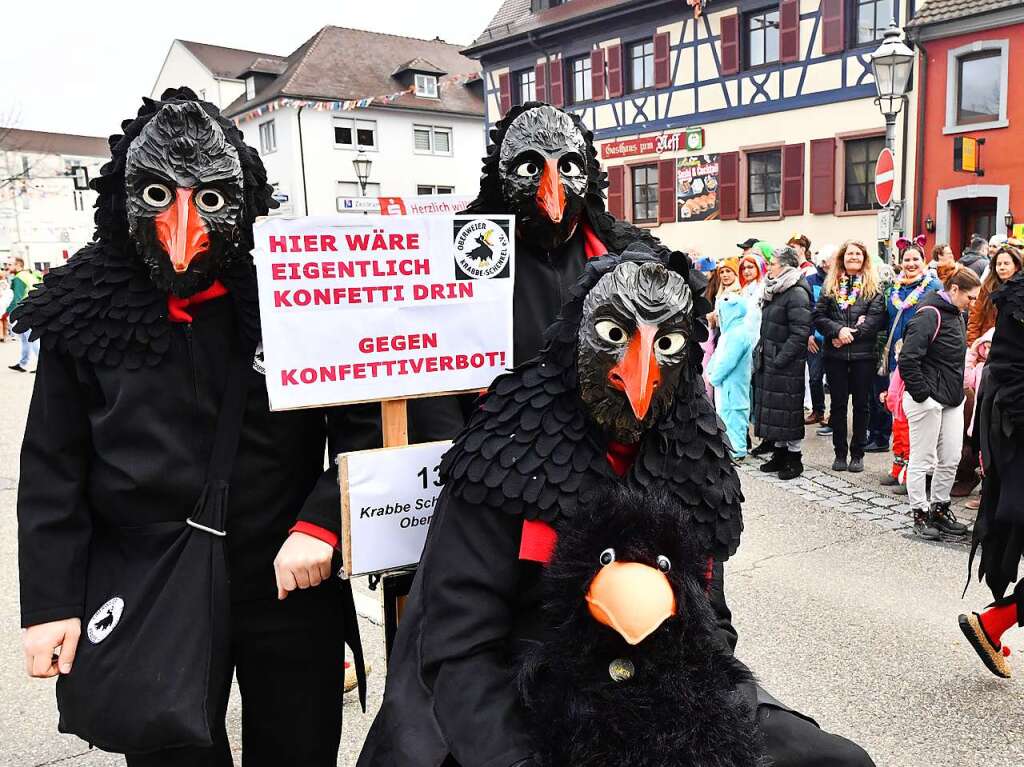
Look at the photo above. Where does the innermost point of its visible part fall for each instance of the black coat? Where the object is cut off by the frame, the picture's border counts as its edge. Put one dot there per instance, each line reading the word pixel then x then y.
pixel 866 318
pixel 779 362
pixel 935 368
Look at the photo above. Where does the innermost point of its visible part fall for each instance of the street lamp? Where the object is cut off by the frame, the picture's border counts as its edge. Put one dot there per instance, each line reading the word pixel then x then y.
pixel 892 65
pixel 1008 220
pixel 362 165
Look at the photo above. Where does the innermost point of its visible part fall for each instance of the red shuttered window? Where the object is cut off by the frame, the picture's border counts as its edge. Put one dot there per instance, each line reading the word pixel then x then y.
pixel 615 79
pixel 793 180
pixel 556 89
pixel 729 185
pixel 540 73
pixel 597 74
pixel 823 175
pixel 616 190
pixel 833 25
pixel 789 31
pixel 730 44
pixel 666 191
pixel 504 93
pixel 662 60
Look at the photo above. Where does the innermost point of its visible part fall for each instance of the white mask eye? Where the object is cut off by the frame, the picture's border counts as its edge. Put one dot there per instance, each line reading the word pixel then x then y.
pixel 527 169
pixel 670 343
pixel 156 195
pixel 607 557
pixel 611 332
pixel 569 168
pixel 210 200
pixel 664 563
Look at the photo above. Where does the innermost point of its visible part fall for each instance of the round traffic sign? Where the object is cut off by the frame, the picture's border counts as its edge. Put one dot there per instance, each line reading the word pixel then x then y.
pixel 885 177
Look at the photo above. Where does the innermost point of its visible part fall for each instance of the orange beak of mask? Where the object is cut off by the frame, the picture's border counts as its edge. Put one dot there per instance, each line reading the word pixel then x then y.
pixel 631 598
pixel 181 231
pixel 638 374
pixel 550 193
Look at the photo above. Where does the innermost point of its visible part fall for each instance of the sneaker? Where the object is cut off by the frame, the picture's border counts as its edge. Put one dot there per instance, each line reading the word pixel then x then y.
pixel 900 489
pixel 777 462
pixel 876 447
pixel 889 481
pixel 923 527
pixel 766 447
pixel 824 431
pixel 856 465
pixel 814 417
pixel 794 466
pixel 17 367
pixel 942 518
pixel 839 464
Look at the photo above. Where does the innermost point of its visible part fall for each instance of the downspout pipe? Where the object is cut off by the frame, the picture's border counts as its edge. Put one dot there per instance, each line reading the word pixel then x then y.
pixel 302 165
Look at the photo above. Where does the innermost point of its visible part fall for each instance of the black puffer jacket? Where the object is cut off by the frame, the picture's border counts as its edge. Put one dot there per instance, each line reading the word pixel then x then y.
pixel 779 363
pixel 866 317
pixel 935 368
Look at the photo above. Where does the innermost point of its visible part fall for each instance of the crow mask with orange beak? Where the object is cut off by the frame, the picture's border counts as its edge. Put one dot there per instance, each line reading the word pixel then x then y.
pixel 184 197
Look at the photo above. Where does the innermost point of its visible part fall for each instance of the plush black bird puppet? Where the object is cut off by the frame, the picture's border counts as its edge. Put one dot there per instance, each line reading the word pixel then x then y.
pixel 621 367
pixel 630 673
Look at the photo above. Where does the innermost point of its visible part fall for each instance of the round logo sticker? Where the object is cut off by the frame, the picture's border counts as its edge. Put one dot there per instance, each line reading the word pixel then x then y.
pixel 481 249
pixel 104 620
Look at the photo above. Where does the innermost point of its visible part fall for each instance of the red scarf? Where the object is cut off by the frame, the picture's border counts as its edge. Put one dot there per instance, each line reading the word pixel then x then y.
pixel 176 307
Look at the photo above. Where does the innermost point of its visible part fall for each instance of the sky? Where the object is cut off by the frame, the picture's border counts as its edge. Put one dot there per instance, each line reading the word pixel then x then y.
pixel 73 67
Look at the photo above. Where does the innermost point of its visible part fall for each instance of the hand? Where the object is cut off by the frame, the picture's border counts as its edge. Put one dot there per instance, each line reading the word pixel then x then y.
pixel 845 336
pixel 50 647
pixel 883 397
pixel 713 319
pixel 302 562
pixel 836 343
pixel 812 345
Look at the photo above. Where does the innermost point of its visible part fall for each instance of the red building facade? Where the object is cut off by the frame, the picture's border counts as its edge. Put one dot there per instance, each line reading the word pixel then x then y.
pixel 971 86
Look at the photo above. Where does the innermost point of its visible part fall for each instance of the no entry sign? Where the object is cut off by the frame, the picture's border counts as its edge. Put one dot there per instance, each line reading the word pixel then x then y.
pixel 885 177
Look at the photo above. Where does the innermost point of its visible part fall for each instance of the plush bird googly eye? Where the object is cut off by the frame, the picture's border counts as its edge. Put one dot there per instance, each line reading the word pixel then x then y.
pixel 210 200
pixel 156 195
pixel 607 557
pixel 664 563
pixel 527 169
pixel 611 332
pixel 670 343
pixel 569 168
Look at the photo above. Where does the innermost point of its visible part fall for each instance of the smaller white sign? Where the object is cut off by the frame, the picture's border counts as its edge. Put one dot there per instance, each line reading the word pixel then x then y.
pixel 387 503
pixel 884 225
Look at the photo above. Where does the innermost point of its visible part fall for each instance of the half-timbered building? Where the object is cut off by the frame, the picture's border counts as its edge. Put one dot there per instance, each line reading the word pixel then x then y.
pixel 717 120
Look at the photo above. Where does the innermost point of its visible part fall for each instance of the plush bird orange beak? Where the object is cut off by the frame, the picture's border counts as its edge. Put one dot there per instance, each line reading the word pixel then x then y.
pixel 638 374
pixel 631 598
pixel 181 231
pixel 550 194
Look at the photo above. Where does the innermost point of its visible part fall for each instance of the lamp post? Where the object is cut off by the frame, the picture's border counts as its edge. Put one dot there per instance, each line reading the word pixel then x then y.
pixel 362 165
pixel 1008 220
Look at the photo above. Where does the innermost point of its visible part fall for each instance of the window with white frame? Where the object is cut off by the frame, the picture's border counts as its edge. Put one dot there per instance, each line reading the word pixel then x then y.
pixel 432 139
pixel 581 79
pixel 426 86
pixel 268 137
pixel 250 88
pixel 976 86
pixel 352 133
pixel 432 189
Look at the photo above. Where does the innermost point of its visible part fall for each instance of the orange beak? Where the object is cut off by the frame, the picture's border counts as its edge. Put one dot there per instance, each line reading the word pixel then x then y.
pixel 637 374
pixel 550 194
pixel 631 598
pixel 181 231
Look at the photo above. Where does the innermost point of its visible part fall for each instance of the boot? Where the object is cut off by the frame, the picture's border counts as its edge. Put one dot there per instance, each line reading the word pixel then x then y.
pixel 840 464
pixel 923 527
pixel 794 466
pixel 856 465
pixel 766 446
pixel 941 518
pixel 963 487
pixel 777 462
pixel 813 418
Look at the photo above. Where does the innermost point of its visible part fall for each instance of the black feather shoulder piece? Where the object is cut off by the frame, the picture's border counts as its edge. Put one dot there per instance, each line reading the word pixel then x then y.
pixel 531 449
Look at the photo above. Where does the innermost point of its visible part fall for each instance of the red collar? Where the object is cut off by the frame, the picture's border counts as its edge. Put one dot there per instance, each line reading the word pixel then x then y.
pixel 592 245
pixel 621 456
pixel 176 306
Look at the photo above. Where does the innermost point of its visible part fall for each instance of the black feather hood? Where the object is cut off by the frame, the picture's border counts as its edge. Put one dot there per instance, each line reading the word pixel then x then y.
pixel 531 449
pixel 102 306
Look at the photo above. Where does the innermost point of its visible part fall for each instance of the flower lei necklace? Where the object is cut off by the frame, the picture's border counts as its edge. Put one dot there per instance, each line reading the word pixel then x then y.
pixel 849 290
pixel 913 297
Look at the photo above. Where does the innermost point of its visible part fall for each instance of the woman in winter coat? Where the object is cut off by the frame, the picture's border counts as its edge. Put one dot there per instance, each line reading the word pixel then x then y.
pixel 932 367
pixel 1005 264
pixel 780 362
pixel 849 315
pixel 914 282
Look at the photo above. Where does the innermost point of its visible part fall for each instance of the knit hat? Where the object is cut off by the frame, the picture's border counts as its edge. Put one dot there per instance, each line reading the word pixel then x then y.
pixel 732 263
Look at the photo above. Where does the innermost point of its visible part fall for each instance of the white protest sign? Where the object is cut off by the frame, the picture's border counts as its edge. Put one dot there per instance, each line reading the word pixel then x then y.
pixel 388 499
pixel 369 308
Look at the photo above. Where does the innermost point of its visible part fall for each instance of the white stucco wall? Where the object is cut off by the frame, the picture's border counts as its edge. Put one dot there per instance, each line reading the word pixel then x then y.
pixel 182 68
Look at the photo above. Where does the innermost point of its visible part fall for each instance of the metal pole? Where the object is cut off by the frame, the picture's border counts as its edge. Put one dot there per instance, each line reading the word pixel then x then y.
pixel 890 142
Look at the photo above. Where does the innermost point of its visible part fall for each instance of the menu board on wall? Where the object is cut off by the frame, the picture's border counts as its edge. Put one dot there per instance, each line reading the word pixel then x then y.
pixel 697 187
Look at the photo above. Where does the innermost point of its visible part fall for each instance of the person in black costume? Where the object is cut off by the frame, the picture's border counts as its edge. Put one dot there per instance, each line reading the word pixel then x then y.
pixel 450 696
pixel 137 331
pixel 999 529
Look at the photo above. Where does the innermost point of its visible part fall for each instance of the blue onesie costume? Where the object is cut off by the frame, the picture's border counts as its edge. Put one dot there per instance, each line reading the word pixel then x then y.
pixel 729 369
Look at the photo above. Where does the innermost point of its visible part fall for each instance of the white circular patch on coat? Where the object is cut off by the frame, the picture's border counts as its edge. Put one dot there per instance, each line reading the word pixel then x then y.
pixel 104 620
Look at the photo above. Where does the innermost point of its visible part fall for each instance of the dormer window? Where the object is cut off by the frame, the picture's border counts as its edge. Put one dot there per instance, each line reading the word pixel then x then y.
pixel 426 86
pixel 250 88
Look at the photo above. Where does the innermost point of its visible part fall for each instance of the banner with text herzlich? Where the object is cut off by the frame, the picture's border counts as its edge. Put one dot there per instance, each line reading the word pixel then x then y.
pixel 367 308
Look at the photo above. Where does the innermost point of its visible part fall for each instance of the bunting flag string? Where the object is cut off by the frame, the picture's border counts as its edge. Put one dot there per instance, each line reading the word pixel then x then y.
pixel 346 104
